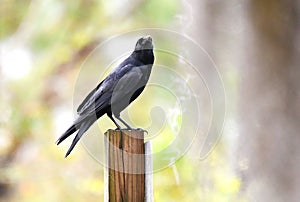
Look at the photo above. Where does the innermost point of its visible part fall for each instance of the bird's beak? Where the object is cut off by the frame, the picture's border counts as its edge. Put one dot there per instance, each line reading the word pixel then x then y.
pixel 148 38
pixel 144 43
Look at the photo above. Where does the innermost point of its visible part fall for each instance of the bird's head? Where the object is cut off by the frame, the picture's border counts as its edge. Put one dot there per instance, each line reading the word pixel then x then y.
pixel 144 43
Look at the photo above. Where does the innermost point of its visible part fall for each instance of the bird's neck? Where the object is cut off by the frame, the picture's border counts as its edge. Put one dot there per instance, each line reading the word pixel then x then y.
pixel 145 56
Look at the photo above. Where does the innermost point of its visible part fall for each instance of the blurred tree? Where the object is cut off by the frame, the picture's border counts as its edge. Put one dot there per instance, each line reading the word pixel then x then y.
pixel 56 36
pixel 255 44
pixel 269 112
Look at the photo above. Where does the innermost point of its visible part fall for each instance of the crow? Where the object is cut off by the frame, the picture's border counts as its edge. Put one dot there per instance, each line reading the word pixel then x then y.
pixel 115 92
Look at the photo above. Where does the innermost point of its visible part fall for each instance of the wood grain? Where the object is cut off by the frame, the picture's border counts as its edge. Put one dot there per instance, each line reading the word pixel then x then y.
pixel 126 161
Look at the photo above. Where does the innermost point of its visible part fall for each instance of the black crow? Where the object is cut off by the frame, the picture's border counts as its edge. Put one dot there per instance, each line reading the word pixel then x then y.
pixel 115 92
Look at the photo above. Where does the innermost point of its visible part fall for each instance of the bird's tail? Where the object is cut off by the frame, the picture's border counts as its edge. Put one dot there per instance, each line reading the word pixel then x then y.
pixel 83 127
pixel 66 134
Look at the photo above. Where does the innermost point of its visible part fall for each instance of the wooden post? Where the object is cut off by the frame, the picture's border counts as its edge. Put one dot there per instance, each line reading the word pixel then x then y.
pixel 148 172
pixel 126 166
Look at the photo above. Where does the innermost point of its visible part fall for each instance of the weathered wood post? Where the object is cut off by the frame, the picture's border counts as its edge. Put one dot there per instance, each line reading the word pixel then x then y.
pixel 125 158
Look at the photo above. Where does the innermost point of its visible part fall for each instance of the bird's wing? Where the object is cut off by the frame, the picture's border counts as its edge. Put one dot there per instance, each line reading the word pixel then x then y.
pixel 84 102
pixel 100 97
pixel 89 103
pixel 127 85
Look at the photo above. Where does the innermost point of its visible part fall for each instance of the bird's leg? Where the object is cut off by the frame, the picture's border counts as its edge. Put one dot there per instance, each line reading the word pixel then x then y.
pixel 119 118
pixel 111 118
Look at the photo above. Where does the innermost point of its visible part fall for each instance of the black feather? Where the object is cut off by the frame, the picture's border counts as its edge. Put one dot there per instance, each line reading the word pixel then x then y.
pixel 115 92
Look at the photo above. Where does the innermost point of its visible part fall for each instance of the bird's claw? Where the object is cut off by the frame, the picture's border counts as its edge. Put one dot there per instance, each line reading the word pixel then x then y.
pixel 123 128
pixel 145 131
pixel 129 128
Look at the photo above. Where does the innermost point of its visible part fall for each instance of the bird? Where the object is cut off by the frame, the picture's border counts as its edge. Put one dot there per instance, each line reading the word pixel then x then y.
pixel 114 93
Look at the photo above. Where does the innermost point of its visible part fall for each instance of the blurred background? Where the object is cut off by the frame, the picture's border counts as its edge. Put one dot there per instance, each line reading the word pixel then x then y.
pixel 254 45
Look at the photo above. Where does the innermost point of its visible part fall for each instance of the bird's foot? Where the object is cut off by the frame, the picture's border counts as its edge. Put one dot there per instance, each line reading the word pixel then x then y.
pixel 123 128
pixel 140 129
pixel 129 128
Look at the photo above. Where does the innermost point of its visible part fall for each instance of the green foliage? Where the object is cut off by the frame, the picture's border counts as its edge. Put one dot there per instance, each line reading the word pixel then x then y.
pixel 55 33
pixel 158 12
pixel 12 13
